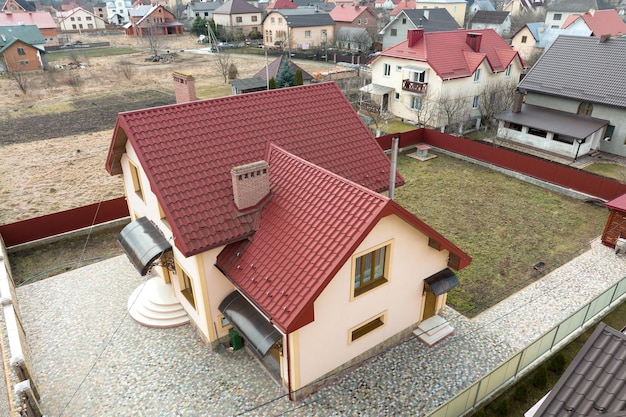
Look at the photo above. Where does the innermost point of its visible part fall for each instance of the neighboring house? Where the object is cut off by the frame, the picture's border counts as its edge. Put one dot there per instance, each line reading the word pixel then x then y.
pixel 238 18
pixel 431 20
pixel 359 17
pixel 298 29
pixel 247 85
pixel 559 10
pixel 456 8
pixel 79 20
pixel 532 39
pixel 352 39
pixel 19 6
pixel 572 110
pixel 118 11
pixel 615 227
pixel 496 20
pixel 43 20
pixel 524 7
pixel 599 22
pixel 476 5
pixel 593 383
pixel 153 20
pixel 100 10
pixel 202 9
pixel 281 4
pixel 279 234
pixel 440 78
pixel 402 5
pixel 259 82
pixel 386 4
pixel 21 49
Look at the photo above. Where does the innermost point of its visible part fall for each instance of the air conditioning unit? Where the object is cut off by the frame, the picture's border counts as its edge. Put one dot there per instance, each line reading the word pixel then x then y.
pixel 620 246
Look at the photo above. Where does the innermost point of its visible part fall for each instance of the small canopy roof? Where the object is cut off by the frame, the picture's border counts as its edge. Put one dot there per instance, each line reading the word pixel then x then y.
pixel 143 243
pixel 442 281
pixel 376 89
pixel 252 325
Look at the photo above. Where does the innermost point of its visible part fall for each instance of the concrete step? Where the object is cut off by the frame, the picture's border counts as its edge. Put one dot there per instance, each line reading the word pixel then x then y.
pixel 153 304
pixel 433 330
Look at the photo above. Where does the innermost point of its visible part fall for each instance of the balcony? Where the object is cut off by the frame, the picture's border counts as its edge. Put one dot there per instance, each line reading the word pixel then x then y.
pixel 414 86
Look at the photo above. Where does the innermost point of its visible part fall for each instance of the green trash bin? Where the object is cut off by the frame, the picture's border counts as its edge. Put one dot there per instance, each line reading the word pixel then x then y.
pixel 236 342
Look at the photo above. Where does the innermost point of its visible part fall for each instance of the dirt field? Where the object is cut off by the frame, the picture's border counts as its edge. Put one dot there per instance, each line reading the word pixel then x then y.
pixel 55 136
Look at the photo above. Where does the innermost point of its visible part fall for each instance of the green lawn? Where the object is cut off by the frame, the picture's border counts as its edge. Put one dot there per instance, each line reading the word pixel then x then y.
pixel 64 55
pixel 608 169
pixel 506 225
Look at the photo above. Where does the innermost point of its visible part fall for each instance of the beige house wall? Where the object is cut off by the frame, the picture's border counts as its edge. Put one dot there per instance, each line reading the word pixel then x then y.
pixel 456 9
pixel 525 49
pixel 325 344
pixel 83 21
pixel 295 38
pixel 229 22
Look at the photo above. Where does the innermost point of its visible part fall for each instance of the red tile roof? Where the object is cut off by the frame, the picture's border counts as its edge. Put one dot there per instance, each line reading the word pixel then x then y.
pixel 43 20
pixel 600 22
pixel 187 151
pixel 403 5
pixel 344 13
pixel 312 224
pixel 450 56
pixel 282 4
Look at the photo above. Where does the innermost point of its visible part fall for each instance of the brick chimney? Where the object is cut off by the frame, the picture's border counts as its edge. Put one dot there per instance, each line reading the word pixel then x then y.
pixel 518 99
pixel 184 87
pixel 251 184
pixel 473 40
pixel 414 36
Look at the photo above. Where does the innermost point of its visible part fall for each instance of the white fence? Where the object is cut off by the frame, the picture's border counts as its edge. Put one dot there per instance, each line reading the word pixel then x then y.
pixel 521 363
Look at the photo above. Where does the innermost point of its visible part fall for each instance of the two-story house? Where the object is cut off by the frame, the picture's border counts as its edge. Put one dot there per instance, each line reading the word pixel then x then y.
pixel 238 18
pixel 43 20
pixel 79 20
pixel 559 10
pixel 361 19
pixel 532 39
pixel 524 7
pixel 456 8
pixel 301 28
pixel 431 20
pixel 500 21
pixel 152 20
pixel 443 78
pixel 118 11
pixel 599 22
pixel 201 9
pixel 22 49
pixel 277 234
pixel 570 109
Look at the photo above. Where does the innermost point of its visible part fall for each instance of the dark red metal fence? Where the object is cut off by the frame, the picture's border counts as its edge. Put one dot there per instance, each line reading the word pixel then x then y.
pixel 63 221
pixel 568 177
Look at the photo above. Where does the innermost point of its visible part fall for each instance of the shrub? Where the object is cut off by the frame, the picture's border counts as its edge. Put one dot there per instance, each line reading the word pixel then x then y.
pixel 557 364
pixel 540 377
pixel 521 392
pixel 501 407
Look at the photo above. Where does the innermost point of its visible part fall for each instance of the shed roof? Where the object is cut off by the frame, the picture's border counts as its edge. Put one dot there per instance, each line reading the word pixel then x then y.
pixel 618 203
pixel 598 75
pixel 187 151
pixel 307 231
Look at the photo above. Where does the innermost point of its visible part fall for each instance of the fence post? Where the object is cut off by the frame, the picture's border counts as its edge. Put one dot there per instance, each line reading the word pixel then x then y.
pixel 21 369
pixel 29 407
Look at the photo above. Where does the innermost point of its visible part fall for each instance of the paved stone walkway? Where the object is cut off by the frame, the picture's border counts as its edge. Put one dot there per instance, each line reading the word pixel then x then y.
pixel 91 359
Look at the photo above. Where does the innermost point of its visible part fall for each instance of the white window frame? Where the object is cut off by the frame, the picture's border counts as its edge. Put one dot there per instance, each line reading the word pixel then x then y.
pixel 476 102
pixel 477 75
pixel 508 70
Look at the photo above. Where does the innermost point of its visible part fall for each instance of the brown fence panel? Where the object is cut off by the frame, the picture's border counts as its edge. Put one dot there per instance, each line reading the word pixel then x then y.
pixel 565 176
pixel 410 138
pixel 63 221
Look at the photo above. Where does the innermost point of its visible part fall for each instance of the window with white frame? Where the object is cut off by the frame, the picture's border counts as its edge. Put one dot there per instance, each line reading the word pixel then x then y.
pixel 475 102
pixel 415 103
pixel 387 70
pixel 477 75
pixel 307 33
pixel 508 70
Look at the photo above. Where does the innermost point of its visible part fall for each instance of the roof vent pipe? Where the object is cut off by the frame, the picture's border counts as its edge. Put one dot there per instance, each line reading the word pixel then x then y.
pixel 394 163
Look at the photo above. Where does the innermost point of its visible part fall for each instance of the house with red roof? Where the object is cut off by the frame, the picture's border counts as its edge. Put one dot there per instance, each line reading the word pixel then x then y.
pixel 276 235
pixel 281 4
pixel 152 20
pixel 438 79
pixel 360 17
pixel 599 22
pixel 43 20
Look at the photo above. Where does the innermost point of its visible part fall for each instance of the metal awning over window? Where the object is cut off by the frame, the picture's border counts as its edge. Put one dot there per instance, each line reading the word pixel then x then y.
pixel 442 281
pixel 143 243
pixel 255 328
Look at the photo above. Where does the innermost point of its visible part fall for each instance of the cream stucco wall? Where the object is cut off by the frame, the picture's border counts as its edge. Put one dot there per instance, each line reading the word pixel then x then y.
pixel 325 344
pixel 82 21
pixel 275 28
pixel 243 28
pixel 527 48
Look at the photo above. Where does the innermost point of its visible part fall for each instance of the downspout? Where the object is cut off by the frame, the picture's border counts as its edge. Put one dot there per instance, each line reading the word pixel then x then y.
pixel 394 163
pixel 288 369
pixel 267 72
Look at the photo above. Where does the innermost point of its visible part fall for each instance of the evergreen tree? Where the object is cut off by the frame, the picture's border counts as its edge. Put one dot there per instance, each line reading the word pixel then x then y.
pixel 272 83
pixel 299 80
pixel 198 27
pixel 285 77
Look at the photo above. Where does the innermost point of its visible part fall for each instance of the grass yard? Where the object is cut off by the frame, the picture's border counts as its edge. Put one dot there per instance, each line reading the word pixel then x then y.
pixel 608 169
pixel 506 225
pixel 69 54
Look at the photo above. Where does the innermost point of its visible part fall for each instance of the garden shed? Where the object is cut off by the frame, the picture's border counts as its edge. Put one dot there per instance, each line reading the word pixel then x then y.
pixel 615 227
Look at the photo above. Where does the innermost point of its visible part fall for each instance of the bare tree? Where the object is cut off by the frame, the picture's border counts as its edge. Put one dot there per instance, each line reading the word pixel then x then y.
pixel 222 61
pixel 125 68
pixel 423 109
pixel 495 97
pixel 152 38
pixel 453 112
pixel 12 68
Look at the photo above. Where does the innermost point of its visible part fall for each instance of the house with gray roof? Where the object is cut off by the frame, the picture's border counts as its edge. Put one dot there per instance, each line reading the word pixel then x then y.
pixel 474 6
pixel 559 10
pixel 500 21
pixel 238 18
pixel 298 29
pixel 593 383
pixel 533 38
pixel 431 20
pixel 574 99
